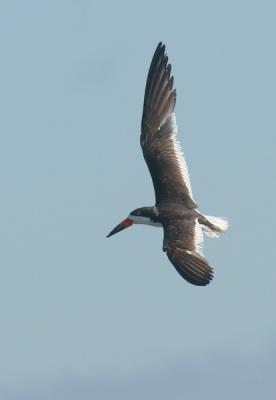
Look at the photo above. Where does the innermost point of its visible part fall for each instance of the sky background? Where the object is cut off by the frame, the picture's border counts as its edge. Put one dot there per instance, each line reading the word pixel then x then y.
pixel 83 317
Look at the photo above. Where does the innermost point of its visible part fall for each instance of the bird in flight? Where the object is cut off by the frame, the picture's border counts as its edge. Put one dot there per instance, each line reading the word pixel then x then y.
pixel 175 209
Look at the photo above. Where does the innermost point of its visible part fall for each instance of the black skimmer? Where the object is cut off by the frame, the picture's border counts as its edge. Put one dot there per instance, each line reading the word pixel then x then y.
pixel 175 208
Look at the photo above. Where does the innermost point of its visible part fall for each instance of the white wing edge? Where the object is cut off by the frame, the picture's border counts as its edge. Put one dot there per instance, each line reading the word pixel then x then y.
pixel 183 168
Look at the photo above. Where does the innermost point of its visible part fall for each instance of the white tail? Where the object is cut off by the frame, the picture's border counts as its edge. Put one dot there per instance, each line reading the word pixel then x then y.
pixel 212 226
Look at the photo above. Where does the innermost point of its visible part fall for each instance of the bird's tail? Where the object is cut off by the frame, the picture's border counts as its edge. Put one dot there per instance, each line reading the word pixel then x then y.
pixel 212 226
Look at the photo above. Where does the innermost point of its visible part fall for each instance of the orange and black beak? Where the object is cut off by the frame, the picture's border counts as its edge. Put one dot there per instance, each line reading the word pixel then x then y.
pixel 123 225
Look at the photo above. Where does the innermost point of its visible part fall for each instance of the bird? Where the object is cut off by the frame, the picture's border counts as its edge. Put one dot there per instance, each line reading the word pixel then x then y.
pixel 175 208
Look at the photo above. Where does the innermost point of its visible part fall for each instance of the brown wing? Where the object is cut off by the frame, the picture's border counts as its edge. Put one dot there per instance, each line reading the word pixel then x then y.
pixel 161 151
pixel 182 239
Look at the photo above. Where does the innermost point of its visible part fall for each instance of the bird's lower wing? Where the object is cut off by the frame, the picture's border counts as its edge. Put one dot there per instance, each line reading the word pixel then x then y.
pixel 191 266
pixel 182 245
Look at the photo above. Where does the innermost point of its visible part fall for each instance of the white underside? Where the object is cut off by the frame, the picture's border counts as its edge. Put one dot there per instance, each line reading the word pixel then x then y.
pixel 144 220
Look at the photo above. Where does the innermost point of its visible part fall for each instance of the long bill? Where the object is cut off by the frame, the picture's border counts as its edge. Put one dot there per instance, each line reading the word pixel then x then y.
pixel 123 225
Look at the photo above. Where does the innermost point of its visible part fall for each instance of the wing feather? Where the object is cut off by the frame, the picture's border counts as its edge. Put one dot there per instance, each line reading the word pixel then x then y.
pixel 161 150
pixel 182 245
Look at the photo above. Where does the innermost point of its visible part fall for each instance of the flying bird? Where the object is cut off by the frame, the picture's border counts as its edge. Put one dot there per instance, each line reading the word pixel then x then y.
pixel 175 209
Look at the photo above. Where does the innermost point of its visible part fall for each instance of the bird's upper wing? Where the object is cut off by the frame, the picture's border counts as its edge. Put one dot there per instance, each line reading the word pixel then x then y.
pixel 182 239
pixel 161 150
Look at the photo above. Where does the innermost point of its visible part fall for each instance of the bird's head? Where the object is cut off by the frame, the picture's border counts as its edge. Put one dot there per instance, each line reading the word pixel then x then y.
pixel 138 216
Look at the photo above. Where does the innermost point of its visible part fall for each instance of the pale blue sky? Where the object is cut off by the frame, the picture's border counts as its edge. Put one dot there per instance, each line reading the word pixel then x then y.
pixel 85 317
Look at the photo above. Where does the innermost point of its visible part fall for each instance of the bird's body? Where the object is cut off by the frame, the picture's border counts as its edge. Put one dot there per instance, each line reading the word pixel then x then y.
pixel 175 208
